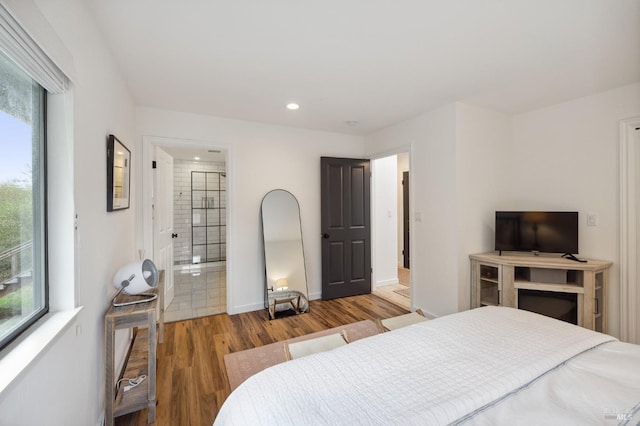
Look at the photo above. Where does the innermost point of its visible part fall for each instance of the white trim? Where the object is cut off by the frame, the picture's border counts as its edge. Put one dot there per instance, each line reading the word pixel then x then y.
pixel 629 305
pixel 412 227
pixel 395 151
pixel 62 226
pixel 27 38
pixel 148 144
pixel 313 296
pixel 390 281
pixel 408 149
pixel 19 355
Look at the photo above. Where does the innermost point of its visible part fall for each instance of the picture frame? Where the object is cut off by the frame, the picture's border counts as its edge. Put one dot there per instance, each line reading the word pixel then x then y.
pixel 118 175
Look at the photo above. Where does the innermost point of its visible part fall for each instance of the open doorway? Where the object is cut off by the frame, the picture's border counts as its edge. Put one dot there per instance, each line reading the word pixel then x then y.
pixel 390 206
pixel 196 201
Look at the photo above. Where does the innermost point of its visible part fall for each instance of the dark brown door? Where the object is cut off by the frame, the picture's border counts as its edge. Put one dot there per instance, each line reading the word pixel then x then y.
pixel 346 239
pixel 405 218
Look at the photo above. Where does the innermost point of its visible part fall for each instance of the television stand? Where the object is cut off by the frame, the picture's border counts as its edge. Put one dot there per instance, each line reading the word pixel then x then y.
pixel 496 280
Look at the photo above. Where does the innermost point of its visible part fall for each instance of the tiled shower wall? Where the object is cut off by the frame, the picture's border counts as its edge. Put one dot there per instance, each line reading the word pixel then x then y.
pixel 182 204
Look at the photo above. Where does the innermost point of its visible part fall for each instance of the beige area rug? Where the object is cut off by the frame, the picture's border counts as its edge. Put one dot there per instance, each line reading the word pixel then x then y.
pixel 406 292
pixel 244 364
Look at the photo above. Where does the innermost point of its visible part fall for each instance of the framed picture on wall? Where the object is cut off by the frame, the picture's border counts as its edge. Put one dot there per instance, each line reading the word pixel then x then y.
pixel 118 175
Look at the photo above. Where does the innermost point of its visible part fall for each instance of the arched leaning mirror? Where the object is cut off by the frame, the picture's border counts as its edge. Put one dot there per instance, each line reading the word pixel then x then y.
pixel 285 274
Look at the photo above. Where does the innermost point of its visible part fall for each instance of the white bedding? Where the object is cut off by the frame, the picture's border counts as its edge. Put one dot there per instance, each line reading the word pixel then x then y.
pixel 601 386
pixel 453 369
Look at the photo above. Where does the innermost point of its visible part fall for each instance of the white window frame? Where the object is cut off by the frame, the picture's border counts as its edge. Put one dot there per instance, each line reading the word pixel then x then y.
pixel 39 273
pixel 33 27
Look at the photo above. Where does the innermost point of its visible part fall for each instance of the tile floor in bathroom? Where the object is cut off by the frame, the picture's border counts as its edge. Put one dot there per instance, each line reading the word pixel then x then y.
pixel 200 290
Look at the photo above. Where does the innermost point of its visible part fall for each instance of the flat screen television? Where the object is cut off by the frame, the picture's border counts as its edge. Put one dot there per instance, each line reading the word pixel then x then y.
pixel 544 232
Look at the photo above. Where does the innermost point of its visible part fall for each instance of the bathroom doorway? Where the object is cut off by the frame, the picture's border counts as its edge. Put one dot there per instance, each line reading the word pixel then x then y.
pixel 390 206
pixel 200 212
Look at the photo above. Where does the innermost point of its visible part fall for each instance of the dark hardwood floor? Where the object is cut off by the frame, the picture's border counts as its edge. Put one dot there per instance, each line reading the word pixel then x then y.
pixel 192 380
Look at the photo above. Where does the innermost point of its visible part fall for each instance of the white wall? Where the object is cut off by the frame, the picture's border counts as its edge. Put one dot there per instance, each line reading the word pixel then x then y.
pixel 385 221
pixel 483 170
pixel 459 176
pixel 565 157
pixel 262 157
pixel 431 137
pixel 65 385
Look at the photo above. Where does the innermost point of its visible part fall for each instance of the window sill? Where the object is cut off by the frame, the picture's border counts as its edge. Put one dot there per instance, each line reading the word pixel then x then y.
pixel 18 356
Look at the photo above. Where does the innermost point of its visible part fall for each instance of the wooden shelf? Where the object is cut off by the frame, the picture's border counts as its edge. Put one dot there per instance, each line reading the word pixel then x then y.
pixel 563 288
pixel 137 364
pixel 141 358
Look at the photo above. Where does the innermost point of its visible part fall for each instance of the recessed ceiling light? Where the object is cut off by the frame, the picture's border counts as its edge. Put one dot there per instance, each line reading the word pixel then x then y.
pixel 293 106
pixel 196 158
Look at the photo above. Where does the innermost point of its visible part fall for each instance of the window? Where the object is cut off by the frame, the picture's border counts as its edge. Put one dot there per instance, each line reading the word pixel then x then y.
pixel 23 266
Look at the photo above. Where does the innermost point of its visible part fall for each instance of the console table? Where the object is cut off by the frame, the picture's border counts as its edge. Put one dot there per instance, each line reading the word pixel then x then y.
pixel 496 279
pixel 141 359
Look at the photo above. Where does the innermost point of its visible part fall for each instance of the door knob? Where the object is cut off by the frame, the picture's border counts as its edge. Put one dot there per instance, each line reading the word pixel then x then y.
pixel 174 235
pixel 325 236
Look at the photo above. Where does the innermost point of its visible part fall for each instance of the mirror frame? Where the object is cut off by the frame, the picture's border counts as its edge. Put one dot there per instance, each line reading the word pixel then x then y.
pixel 264 258
pixel 118 200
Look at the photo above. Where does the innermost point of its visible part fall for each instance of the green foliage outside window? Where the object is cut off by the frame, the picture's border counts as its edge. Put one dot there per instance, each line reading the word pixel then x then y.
pixel 15 224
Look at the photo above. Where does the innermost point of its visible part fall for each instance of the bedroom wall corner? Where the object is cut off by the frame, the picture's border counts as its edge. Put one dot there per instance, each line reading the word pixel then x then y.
pixel 483 170
pixel 432 139
pixel 567 159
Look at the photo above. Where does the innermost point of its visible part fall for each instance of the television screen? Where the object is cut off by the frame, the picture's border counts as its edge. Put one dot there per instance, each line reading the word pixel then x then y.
pixel 548 232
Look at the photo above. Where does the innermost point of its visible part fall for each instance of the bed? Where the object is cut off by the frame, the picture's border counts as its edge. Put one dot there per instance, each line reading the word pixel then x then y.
pixel 486 366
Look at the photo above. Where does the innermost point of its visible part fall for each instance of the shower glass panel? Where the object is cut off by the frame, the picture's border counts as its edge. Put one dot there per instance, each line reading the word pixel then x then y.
pixel 208 213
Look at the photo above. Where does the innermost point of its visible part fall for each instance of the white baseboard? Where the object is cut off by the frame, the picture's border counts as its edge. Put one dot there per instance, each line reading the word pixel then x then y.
pixel 390 281
pixel 315 296
pixel 246 308
pixel 382 283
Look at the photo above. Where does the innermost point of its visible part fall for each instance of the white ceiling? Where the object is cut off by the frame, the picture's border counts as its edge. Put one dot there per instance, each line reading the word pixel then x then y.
pixel 377 62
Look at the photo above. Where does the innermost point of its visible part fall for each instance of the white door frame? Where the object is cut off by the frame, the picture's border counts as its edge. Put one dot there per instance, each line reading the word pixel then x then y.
pixel 399 150
pixel 629 282
pixel 148 146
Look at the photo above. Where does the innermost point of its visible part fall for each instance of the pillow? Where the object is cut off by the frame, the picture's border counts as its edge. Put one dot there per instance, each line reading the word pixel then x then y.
pixel 312 346
pixel 403 320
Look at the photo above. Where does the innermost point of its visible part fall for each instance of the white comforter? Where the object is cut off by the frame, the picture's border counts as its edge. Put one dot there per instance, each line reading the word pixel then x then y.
pixel 437 372
pixel 601 386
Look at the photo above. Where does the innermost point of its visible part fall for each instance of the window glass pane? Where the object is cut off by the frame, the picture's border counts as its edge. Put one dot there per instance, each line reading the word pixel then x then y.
pixel 23 292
